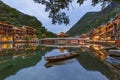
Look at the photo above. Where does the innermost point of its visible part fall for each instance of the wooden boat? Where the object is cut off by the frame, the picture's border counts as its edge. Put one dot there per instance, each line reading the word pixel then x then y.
pixel 61 57
pixel 107 48
pixel 114 53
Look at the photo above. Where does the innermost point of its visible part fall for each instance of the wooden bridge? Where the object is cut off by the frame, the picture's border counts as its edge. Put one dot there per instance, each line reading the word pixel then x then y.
pixel 64 41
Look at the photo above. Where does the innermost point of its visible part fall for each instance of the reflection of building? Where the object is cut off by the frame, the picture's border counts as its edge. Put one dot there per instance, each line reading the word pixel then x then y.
pixel 10 33
pixel 12 65
pixel 16 50
pixel 98 52
pixel 62 49
pixel 93 64
pixel 5 46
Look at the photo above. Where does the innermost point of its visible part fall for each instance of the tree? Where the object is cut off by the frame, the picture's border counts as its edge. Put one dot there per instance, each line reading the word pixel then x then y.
pixel 55 7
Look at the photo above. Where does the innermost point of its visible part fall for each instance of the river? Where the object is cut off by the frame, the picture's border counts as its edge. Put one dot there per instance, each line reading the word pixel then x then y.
pixel 26 62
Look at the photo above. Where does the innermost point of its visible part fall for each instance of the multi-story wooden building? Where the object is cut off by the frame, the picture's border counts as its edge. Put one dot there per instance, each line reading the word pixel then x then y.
pixel 19 34
pixel 110 31
pixel 117 25
pixel 104 32
pixel 29 30
pixel 10 33
pixel 6 32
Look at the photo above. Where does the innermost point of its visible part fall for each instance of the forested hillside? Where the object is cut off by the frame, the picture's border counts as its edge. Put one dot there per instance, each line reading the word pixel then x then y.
pixel 94 19
pixel 13 16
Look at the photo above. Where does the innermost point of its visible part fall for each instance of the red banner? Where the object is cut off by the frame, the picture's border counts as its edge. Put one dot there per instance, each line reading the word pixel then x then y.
pixel 118 41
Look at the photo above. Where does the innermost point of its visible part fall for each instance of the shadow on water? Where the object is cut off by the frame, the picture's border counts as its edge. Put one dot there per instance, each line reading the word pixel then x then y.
pixel 13 59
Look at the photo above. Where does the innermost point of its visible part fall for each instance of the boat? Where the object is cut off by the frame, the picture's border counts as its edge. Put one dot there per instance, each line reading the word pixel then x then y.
pixel 115 53
pixel 61 57
pixel 107 48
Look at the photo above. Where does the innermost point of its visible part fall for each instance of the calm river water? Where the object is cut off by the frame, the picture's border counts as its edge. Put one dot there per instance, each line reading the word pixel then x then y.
pixel 26 62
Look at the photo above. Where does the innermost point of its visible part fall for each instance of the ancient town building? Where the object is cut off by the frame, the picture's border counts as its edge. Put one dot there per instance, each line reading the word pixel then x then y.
pixel 11 33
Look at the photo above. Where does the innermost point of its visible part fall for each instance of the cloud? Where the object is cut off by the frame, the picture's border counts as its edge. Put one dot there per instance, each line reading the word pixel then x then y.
pixel 31 8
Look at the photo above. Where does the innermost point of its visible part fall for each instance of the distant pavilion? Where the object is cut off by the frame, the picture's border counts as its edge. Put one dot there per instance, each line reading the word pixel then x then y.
pixel 62 34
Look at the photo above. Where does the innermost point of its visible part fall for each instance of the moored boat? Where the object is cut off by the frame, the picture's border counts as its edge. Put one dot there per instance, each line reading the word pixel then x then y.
pixel 61 57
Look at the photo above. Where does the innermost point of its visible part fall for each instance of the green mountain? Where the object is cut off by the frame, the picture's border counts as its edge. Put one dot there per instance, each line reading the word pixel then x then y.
pixel 13 16
pixel 94 19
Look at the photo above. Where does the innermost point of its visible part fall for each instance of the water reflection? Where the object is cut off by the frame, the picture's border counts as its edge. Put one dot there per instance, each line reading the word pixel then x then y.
pixel 94 64
pixel 14 57
pixel 94 61
pixel 61 62
pixel 96 50
pixel 18 61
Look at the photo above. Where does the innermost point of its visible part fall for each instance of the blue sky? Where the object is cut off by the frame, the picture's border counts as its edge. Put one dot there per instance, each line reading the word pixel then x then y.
pixel 34 9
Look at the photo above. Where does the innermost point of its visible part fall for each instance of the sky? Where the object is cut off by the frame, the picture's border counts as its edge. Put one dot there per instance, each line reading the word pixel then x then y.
pixel 34 9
